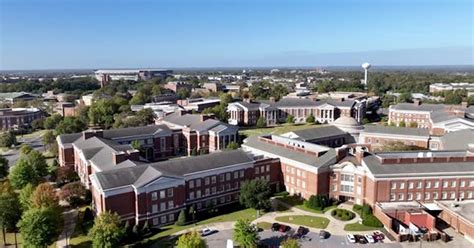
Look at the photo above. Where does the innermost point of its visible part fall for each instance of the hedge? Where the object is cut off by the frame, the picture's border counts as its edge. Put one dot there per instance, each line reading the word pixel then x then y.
pixel 342 214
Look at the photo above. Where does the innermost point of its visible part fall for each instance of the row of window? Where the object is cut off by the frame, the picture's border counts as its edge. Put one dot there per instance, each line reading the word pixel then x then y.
pixel 299 183
pixel 430 196
pixel 262 169
pixel 163 206
pixel 292 170
pixel 429 184
pixel 212 191
pixel 213 179
pixel 165 193
pixel 163 219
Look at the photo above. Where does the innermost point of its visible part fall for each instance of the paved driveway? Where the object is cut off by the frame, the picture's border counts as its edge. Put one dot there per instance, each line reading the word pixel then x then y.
pixel 273 239
pixel 14 154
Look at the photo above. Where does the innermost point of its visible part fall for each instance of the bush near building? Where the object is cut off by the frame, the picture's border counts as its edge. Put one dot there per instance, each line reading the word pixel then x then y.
pixel 342 214
pixel 365 212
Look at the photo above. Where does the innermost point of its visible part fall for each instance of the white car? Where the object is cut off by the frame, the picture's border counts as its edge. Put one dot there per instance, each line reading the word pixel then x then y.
pixel 351 238
pixel 207 231
pixel 369 238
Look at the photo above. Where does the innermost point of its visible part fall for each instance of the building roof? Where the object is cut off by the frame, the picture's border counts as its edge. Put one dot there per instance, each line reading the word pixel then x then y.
pixel 12 95
pixel 320 132
pixel 326 159
pixel 194 122
pixel 179 167
pixel 373 163
pixel 457 140
pixel 422 107
pixel 134 131
pixel 408 131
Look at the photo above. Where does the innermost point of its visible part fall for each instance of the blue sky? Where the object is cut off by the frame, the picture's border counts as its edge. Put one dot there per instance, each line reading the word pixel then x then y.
pixel 52 34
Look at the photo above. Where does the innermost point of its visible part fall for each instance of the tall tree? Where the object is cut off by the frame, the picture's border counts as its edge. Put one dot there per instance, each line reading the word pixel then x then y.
pixel 39 227
pixel 7 139
pixel 10 211
pixel 38 161
pixel 25 196
pixel 52 121
pixel 48 139
pixel 45 196
pixel 255 194
pixel 22 174
pixel 3 167
pixel 106 232
pixel 191 240
pixel 246 234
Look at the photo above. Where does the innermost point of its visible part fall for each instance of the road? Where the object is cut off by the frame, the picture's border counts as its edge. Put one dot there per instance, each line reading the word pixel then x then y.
pixel 14 154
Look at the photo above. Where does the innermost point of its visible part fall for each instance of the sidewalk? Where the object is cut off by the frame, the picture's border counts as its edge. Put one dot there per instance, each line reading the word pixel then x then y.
pixel 70 217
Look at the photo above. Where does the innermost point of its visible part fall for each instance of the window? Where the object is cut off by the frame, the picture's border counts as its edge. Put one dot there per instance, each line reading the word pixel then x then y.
pixel 402 185
pixel 207 181
pixel 170 204
pixel 241 173
pixel 427 196
pixel 162 194
pixel 410 185
pixel 444 195
pixel 198 182
pixel 163 219
pixel 257 170
pixel 453 184
pixel 418 196
pixel 462 184
pixel 359 179
pixel 298 172
pixel 163 206
pixel 410 197
pixel 207 191
pixel 191 195
pixel 428 184
pixel 392 197
pixel 191 184
pixel 452 195
pixel 227 186
pixel 288 169
pixel 198 194
pixel 199 205
pixel 347 188
pixel 154 196
pixel 287 178
pixel 461 195
pixel 394 185
pixel 400 196
pixel 171 217
pixel 222 199
pixel 170 192
pixel 213 190
pixel 227 176
pixel 435 195
pixel 436 184
pixel 469 194
pixel 221 178
pixel 213 179
pixel 268 167
pixel 471 183
pixel 419 185
pixel 236 174
pixel 162 144
pixel 347 178
pixel 303 185
pixel 445 184
pixel 334 187
pixel 154 208
pixel 155 221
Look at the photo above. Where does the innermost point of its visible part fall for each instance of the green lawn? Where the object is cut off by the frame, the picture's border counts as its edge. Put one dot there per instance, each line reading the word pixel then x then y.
pixel 264 225
pixel 299 203
pixel 280 129
pixel 359 227
pixel 305 220
pixel 35 134
pixel 162 236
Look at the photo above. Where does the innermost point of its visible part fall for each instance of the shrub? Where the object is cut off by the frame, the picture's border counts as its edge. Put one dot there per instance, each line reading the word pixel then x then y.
pixel 365 211
pixel 181 219
pixel 318 202
pixel 372 221
pixel 357 208
pixel 342 214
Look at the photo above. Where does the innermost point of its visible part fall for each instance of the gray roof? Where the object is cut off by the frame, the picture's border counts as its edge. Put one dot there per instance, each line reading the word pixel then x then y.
pixel 458 140
pixel 193 121
pixel 440 116
pixel 326 159
pixel 69 138
pixel 422 107
pixel 142 174
pixel 297 102
pixel 134 131
pixel 416 169
pixel 321 132
pixel 409 131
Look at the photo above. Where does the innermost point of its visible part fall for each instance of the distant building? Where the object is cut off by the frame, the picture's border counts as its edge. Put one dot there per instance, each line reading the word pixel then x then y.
pixel 213 86
pixel 13 97
pixel 87 99
pixel 14 118
pixel 105 76
pixel 177 85
pixel 440 87
pixel 167 97
pixel 160 109
pixel 199 104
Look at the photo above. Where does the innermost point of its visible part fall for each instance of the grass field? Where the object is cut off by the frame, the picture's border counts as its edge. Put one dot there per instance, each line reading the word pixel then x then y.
pixel 356 227
pixel 299 203
pixel 281 129
pixel 264 225
pixel 305 220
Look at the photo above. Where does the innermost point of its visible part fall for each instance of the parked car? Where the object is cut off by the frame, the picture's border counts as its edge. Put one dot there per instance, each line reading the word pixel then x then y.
pixel 207 231
pixel 284 228
pixel 369 238
pixel 360 239
pixel 351 238
pixel 275 226
pixel 323 234
pixel 378 236
pixel 302 231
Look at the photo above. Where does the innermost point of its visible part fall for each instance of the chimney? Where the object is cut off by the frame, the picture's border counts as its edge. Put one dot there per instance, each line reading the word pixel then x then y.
pixel 91 133
pixel 341 152
pixel 359 154
pixel 205 117
pixel 417 102
pixel 119 157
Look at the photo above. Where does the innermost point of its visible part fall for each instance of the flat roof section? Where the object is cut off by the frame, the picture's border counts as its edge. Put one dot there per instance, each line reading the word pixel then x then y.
pixel 462 208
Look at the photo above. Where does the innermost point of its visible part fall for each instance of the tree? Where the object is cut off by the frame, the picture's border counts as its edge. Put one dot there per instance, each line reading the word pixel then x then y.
pixel 310 118
pixel 52 121
pixel 102 112
pixel 66 174
pixel 7 139
pixel 290 243
pixel 70 125
pixel 73 193
pixel 454 97
pixel 246 234
pixel 37 124
pixel 3 167
pixel 414 124
pixel 233 145
pixel 255 194
pixel 23 173
pixel 39 227
pixel 181 218
pixel 402 124
pixel 38 162
pixel 183 93
pixel 45 196
pixel 25 149
pixel 48 139
pixel 10 210
pixel 261 122
pixel 191 240
pixel 405 97
pixel 25 196
pixel 106 231
pixel 290 119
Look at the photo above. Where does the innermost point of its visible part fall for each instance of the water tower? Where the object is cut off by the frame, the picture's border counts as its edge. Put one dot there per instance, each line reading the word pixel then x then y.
pixel 366 67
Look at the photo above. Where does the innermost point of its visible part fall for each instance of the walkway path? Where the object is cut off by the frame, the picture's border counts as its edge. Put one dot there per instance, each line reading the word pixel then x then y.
pixel 70 217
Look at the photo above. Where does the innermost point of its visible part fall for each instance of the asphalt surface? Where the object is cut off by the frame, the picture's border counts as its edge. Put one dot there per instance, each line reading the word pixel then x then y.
pixel 14 154
pixel 273 239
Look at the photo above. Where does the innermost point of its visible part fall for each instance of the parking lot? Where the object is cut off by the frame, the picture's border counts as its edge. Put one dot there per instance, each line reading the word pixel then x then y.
pixel 273 239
